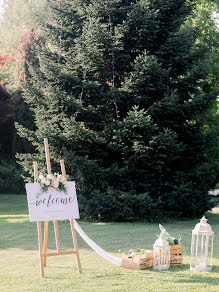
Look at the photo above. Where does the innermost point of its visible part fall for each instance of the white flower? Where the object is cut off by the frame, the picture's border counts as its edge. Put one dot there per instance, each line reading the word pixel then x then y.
pixel 49 176
pixel 41 176
pixel 47 182
pixel 43 181
pixel 53 180
pixel 56 184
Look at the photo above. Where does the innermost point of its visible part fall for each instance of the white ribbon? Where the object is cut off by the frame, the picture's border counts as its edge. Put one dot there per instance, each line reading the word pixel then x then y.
pixel 112 259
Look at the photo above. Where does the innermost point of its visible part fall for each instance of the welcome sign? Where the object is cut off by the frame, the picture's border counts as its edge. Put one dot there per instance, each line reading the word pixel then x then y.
pixel 53 204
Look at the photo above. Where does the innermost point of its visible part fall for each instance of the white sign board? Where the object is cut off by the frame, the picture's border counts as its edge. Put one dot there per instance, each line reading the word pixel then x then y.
pixel 53 204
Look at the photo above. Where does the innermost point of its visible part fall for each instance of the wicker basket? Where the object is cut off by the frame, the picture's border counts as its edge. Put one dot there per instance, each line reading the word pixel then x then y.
pixel 176 256
pixel 138 262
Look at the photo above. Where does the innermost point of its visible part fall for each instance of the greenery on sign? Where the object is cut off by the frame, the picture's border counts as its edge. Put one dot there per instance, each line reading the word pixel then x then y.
pixel 119 89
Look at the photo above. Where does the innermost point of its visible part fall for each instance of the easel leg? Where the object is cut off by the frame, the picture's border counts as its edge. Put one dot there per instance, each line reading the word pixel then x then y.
pixel 49 172
pixel 75 244
pixel 45 240
pixel 40 243
pixel 55 222
pixel 43 253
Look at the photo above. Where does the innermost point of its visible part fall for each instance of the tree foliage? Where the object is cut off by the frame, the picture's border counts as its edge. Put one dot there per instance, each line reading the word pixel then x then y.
pixel 119 89
pixel 18 17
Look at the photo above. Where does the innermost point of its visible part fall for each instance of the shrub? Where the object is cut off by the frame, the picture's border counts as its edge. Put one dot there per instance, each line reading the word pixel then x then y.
pixel 10 176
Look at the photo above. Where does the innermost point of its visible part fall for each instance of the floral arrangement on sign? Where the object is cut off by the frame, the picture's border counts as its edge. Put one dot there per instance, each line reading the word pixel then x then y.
pixel 55 180
pixel 171 240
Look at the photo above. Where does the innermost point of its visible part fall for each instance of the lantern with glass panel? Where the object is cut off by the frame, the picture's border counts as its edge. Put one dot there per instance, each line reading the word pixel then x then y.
pixel 202 246
pixel 161 250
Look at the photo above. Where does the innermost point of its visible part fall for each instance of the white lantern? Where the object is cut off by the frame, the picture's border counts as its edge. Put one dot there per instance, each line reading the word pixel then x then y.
pixel 161 251
pixel 202 246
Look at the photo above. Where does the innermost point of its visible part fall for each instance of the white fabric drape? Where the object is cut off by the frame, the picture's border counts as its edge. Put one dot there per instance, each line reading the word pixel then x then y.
pixel 112 259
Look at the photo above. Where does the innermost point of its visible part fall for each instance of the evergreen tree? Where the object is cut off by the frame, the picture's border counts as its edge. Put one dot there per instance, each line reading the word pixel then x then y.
pixel 118 91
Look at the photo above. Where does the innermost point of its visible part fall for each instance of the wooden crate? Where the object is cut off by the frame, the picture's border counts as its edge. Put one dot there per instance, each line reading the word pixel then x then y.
pixel 176 255
pixel 138 262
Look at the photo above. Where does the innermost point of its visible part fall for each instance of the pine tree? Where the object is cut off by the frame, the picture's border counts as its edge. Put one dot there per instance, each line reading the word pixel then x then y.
pixel 118 91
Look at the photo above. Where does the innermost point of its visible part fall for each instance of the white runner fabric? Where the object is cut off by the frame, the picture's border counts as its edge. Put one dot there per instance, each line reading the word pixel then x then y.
pixel 112 259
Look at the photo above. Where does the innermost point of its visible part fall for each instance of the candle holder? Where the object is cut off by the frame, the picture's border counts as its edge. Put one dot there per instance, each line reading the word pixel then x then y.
pixel 161 251
pixel 202 246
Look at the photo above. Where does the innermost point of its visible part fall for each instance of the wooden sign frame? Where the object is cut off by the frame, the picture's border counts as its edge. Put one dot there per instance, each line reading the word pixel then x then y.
pixel 43 250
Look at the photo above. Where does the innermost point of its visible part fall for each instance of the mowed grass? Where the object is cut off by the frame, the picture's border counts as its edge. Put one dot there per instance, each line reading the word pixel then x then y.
pixel 19 257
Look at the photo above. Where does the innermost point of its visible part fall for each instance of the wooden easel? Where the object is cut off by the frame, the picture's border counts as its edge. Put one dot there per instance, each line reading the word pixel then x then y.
pixel 43 252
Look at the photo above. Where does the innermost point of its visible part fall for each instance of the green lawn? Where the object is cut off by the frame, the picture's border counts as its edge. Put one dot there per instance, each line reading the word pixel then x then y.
pixel 19 260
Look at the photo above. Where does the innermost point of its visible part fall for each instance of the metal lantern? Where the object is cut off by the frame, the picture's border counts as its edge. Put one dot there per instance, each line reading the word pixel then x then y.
pixel 202 246
pixel 161 251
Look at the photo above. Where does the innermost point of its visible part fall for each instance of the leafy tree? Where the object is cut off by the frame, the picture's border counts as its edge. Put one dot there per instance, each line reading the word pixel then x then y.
pixel 16 26
pixel 119 91
pixel 7 64
pixel 13 70
pixel 17 18
pixel 205 19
